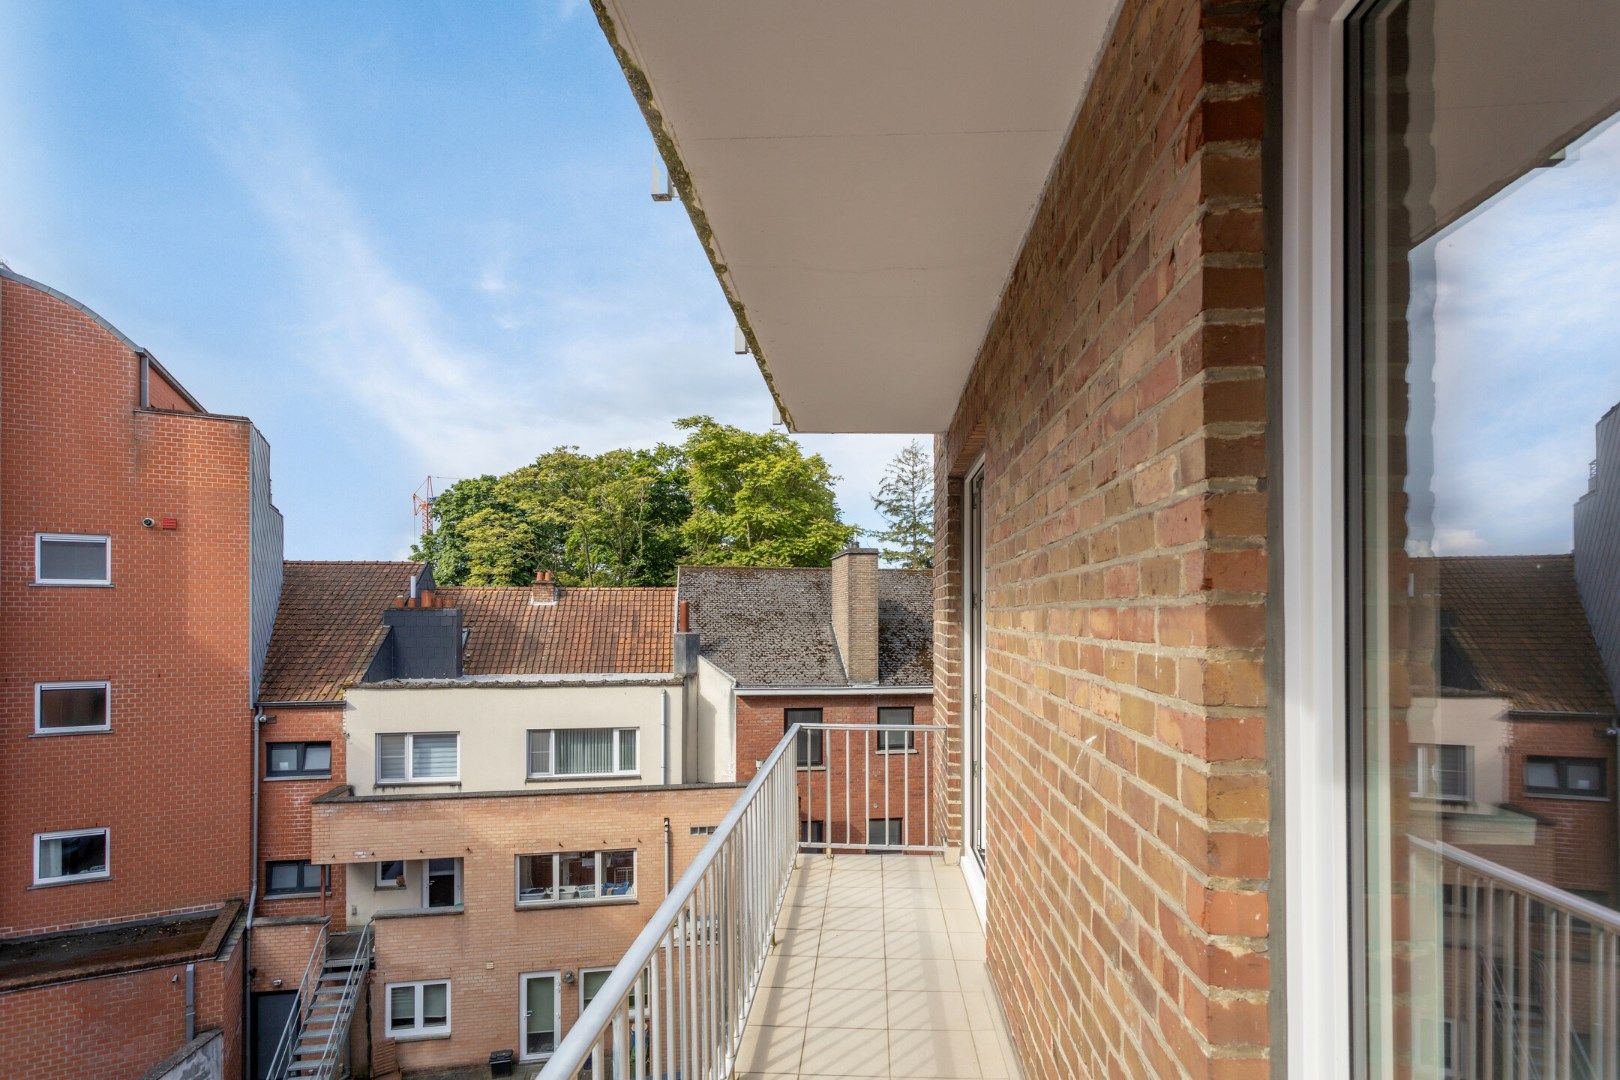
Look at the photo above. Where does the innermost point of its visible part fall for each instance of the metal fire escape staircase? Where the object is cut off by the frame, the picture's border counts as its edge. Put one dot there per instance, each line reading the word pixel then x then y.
pixel 314 1044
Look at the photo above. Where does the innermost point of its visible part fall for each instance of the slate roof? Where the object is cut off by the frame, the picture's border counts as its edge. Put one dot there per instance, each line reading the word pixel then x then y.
pixel 330 623
pixel 1518 631
pixel 599 631
pixel 772 626
pixel 328 626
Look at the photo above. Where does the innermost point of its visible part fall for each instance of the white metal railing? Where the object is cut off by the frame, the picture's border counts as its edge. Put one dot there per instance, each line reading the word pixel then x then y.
pixel 332 1056
pixel 679 999
pixel 1532 973
pixel 282 1058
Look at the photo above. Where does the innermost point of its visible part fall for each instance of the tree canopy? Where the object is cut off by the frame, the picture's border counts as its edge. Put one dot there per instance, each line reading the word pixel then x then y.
pixel 722 496
pixel 905 499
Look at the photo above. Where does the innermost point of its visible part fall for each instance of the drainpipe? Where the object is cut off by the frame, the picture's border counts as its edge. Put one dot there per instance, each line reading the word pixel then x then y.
pixel 669 857
pixel 191 1002
pixel 252 906
pixel 665 723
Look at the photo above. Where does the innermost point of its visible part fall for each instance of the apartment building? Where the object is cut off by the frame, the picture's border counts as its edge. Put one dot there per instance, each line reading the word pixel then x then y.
pixel 850 644
pixel 140 560
pixel 1230 319
pixel 483 790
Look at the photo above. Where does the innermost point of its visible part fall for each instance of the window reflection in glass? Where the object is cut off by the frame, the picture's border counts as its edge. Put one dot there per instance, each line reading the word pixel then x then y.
pixel 1485 388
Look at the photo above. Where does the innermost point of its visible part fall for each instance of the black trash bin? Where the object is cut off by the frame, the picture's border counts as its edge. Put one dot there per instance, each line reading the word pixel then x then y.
pixel 501 1062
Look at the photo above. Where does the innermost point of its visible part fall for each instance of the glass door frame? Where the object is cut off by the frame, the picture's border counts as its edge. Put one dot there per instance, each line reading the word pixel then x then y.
pixel 974 851
pixel 523 1012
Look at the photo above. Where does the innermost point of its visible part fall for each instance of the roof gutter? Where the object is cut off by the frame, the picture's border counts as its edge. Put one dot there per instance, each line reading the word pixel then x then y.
pixel 830 691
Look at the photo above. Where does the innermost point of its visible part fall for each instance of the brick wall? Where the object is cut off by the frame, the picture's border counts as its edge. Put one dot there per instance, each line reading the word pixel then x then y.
pixel 119 1025
pixel 284 809
pixel 484 948
pixel 1119 402
pixel 171 634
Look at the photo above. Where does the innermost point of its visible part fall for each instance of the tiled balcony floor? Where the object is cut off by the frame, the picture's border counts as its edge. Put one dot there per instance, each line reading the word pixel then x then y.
pixel 879 972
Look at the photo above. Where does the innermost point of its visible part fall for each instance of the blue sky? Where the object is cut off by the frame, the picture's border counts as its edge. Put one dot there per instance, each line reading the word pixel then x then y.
pixel 405 239
pixel 1526 337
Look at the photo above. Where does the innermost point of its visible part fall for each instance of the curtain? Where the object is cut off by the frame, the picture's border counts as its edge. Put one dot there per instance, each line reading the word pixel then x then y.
pixel 391 757
pixel 585 750
pixel 433 756
pixel 436 1004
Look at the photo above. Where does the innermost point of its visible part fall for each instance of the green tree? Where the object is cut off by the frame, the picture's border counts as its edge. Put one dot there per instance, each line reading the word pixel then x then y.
pixel 905 499
pixel 757 500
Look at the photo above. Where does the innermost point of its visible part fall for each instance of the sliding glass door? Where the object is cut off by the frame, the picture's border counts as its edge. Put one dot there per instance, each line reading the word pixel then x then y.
pixel 1484 380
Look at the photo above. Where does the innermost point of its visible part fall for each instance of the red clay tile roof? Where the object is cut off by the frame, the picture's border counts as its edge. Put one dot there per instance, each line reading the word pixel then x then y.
pixel 588 631
pixel 1522 632
pixel 328 626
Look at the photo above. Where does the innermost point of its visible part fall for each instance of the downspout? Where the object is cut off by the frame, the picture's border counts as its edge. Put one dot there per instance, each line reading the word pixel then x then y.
pixel 191 1002
pixel 252 906
pixel 664 702
pixel 669 858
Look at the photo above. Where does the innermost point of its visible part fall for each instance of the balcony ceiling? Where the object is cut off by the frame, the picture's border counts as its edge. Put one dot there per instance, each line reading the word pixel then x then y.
pixel 866 171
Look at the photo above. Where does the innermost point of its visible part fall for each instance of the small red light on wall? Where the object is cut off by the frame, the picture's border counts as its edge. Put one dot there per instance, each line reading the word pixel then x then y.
pixel 171 523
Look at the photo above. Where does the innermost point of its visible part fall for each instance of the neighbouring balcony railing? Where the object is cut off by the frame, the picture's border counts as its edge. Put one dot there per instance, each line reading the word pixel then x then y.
pixel 1531 973
pixel 677 1003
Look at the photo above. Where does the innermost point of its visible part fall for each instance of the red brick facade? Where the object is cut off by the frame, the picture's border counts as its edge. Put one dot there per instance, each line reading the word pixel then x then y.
pixel 1119 402
pixel 79 455
pixel 284 810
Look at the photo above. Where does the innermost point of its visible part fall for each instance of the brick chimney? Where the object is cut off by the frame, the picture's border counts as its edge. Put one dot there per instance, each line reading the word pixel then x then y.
pixel 855 612
pixel 544 589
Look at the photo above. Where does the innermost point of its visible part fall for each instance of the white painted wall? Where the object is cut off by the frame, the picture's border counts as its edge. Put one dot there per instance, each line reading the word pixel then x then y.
pixel 494 721
pixel 715 724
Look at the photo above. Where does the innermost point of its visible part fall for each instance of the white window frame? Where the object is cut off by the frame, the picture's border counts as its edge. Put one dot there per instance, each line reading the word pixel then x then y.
pixel 555 857
pixel 427 880
pixel 619 735
pixel 416 1030
pixel 1426 770
pixel 378 882
pixel 90 684
pixel 523 1012
pixel 1315 758
pixel 410 738
pixel 68 834
pixel 74 538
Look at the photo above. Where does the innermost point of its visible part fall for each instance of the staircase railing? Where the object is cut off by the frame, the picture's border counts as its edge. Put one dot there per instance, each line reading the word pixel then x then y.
pixel 282 1058
pixel 337 1035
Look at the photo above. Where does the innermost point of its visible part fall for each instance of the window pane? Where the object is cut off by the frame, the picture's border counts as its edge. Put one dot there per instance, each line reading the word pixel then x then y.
pixel 311 877
pixel 318 757
pixel 72 560
pixel 402 1006
pixel 84 706
pixel 433 756
pixel 584 750
pixel 898 717
pixel 578 873
pixel 390 873
pixel 539 753
pixel 1541 774
pixel 590 982
pixel 286 876
pixel 284 757
pixel 73 856
pixel 540 1016
pixel 618 873
pixel 535 882
pixel 436 1004
pixel 1487 575
pixel 1585 777
pixel 391 757
pixel 627 750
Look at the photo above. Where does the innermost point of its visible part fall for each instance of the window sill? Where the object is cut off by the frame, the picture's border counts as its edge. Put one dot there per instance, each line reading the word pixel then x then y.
pixel 546 905
pixel 423 1037
pixel 575 777
pixel 894 753
pixel 52 734
pixel 299 776
pixel 314 894
pixel 456 782
pixel 417 912
pixel 70 585
pixel 1565 796
pixel 83 879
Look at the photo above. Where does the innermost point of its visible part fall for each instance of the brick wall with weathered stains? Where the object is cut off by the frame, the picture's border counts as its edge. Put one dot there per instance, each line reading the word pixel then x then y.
pixel 1119 401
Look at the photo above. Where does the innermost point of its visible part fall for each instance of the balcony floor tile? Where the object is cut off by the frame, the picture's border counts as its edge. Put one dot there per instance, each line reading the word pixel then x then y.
pixel 878 972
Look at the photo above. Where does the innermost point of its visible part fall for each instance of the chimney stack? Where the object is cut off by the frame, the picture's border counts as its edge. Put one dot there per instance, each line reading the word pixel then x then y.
pixel 544 589
pixel 855 612
pixel 686 640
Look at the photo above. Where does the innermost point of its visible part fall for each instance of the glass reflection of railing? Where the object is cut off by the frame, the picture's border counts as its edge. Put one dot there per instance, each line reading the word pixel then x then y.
pixel 1532 973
